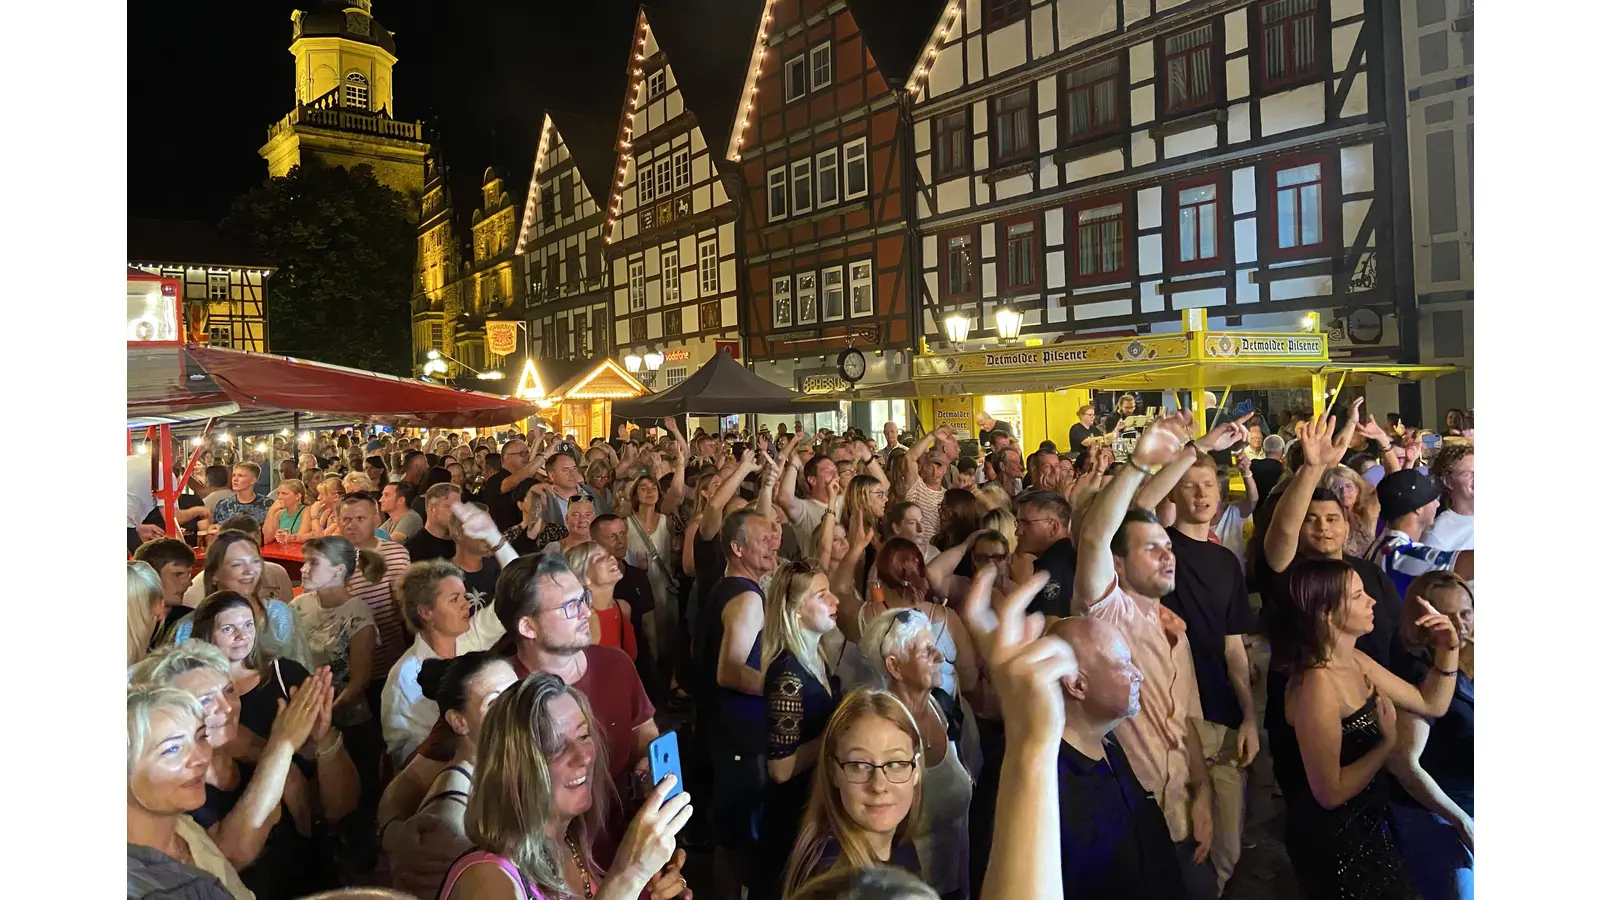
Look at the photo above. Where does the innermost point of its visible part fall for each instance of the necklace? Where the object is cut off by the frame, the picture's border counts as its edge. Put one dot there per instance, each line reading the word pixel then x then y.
pixel 583 870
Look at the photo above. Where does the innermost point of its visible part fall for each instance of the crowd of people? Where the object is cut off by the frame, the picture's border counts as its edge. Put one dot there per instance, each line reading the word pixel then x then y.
pixel 892 670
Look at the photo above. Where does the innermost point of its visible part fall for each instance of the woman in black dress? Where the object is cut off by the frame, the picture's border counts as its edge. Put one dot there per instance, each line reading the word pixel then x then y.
pixel 1341 711
pixel 801 695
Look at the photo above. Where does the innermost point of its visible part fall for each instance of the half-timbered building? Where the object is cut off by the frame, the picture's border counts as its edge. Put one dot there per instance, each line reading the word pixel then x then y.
pixel 565 275
pixel 823 141
pixel 672 203
pixel 1106 164
pixel 224 291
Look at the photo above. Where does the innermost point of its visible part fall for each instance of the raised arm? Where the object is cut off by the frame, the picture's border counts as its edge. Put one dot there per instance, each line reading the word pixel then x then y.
pixel 922 446
pixel 1432 697
pixel 791 470
pixel 1159 485
pixel 1372 431
pixel 769 479
pixel 1252 494
pixel 841 579
pixel 711 517
pixel 1322 450
pixel 242 833
pixel 943 566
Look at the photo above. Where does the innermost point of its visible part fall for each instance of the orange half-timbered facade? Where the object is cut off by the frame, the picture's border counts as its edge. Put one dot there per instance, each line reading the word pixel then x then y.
pixel 823 145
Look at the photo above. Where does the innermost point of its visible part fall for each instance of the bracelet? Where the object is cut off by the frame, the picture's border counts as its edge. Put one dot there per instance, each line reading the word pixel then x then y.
pixel 338 744
pixel 1135 463
pixel 1443 672
pixel 504 540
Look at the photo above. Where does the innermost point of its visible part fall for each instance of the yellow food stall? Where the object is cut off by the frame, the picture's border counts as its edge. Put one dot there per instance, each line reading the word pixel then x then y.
pixel 582 406
pixel 1049 382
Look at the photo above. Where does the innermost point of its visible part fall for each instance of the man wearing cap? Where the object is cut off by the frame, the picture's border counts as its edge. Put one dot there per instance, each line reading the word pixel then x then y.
pixel 1408 500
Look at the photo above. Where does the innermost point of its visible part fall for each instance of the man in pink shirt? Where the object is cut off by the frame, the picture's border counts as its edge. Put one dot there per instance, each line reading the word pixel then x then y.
pixel 1125 566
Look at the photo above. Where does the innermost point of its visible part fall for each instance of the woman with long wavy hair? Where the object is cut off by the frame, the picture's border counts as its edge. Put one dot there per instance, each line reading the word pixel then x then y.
pixel 1340 707
pixel 234 563
pixel 1359 500
pixel 867 797
pixel 538 801
pixel 960 515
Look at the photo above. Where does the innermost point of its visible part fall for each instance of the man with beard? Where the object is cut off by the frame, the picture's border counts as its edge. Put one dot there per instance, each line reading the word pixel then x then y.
pixel 1125 567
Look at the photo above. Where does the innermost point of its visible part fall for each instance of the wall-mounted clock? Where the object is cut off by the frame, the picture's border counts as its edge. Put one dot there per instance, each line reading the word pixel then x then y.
pixel 852 365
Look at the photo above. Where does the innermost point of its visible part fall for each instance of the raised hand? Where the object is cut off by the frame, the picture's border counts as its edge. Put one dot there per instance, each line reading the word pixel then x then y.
pixel 669 882
pixel 1439 627
pixel 1025 665
pixel 1321 447
pixel 1386 720
pixel 1242 460
pixel 860 536
pixel 477 524
pixel 1163 440
pixel 648 844
pixel 1225 435
pixel 298 715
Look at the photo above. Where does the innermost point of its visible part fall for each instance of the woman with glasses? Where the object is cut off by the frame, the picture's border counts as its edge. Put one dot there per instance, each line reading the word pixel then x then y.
pixel 1359 501
pixel 800 695
pixel 234 563
pixel 866 801
pixel 1433 758
pixel 900 650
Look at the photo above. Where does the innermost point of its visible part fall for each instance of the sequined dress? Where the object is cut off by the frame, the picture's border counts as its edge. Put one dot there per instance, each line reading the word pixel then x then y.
pixel 1345 853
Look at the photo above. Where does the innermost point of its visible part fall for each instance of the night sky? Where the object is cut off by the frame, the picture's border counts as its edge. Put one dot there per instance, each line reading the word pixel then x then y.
pixel 205 81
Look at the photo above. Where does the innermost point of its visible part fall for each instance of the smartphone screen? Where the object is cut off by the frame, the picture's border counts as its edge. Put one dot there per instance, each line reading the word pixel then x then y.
pixel 664 759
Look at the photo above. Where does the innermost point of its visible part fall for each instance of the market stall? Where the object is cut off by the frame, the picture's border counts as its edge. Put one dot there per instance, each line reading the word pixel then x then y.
pixel 582 406
pixel 1047 383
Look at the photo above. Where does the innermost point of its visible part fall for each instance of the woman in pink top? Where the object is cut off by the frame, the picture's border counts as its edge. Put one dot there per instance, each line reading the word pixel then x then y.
pixel 537 803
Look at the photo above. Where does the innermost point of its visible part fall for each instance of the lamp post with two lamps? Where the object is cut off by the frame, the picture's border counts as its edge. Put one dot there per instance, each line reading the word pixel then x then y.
pixel 1007 326
pixel 645 367
pixel 436 365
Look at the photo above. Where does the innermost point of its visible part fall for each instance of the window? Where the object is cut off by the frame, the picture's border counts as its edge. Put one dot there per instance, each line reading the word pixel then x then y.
pixel 1288 42
pixel 711 315
pixel 800 186
pixel 1013 126
pixel 1197 239
pixel 656 84
pixel 806 298
pixel 1102 243
pixel 355 91
pixel 822 66
pixel 1094 99
pixel 827 178
pixel 563 346
pixel 708 266
pixel 555 269
pixel 572 267
pixel 638 329
pixel 647 183
pixel 547 205
pixel 1020 269
pixel 680 169
pixel 782 302
pixel 861 288
pixel 636 285
pixel 547 337
pixel 777 194
pixel 219 287
pixel 595 267
pixel 220 335
pixel 960 265
pixel 436 335
pixel 1191 80
pixel 952 139
pixel 997 13
pixel 855 169
pixel 664 178
pixel 564 192
pixel 1297 200
pixel 580 333
pixel 535 276
pixel 676 375
pixel 794 79
pixel 669 276
pixel 672 322
pixel 833 294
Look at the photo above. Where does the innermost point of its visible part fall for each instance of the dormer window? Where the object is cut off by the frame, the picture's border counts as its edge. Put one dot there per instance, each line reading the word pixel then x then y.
pixel 355 91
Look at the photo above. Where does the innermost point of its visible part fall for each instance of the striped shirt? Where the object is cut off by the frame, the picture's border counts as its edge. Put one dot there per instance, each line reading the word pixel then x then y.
pixel 1403 560
pixel 928 500
pixel 385 608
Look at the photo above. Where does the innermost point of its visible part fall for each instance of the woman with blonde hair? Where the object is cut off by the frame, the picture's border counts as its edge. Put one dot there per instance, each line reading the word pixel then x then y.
pixel 1359 500
pixel 323 514
pixel 358 482
pixel 168 757
pixel 147 608
pixel 867 801
pixel 286 520
pixel 539 794
pixel 800 695
pixel 610 619
pixel 1003 520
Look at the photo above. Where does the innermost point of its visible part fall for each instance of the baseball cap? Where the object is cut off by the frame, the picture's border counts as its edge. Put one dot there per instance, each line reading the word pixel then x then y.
pixel 1405 491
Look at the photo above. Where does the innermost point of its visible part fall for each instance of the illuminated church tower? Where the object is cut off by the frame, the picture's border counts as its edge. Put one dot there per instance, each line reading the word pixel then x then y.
pixel 344 100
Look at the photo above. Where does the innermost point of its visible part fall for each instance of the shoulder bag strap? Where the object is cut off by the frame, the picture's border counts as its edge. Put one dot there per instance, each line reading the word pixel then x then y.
pixel 650 545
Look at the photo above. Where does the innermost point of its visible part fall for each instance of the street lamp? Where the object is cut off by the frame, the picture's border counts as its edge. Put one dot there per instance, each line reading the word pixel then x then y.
pixel 436 365
pixel 645 367
pixel 957 326
pixel 1007 324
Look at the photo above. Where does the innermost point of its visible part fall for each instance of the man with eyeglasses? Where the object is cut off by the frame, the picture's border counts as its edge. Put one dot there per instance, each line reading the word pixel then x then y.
pixel 502 490
pixel 1042 525
pixel 566 482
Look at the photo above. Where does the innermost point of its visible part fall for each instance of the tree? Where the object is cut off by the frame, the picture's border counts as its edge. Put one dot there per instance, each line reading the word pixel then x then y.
pixel 345 249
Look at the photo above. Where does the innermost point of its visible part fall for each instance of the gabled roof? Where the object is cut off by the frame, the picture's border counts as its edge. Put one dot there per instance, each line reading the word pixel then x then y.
pixel 707 43
pixel 930 46
pixel 897 33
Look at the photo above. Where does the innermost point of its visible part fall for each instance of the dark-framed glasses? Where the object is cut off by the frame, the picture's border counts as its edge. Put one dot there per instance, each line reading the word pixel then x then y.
pixel 896 771
pixel 577 606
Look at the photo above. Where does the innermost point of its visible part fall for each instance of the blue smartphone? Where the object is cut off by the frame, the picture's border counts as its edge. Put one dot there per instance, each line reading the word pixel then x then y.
pixel 664 759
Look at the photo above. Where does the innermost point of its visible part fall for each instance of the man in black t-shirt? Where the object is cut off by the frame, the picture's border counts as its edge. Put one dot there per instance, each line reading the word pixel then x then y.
pixel 989 426
pixel 433 541
pixel 1042 524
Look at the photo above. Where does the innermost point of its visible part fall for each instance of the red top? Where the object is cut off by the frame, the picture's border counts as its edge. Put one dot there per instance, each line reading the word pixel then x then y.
pixel 616 631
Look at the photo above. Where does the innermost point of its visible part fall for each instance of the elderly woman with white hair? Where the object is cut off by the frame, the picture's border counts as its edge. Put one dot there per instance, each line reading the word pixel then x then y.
pixel 900 650
pixel 168 756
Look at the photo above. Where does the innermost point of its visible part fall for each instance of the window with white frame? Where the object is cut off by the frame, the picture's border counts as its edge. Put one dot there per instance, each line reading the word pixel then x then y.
pixel 669 276
pixel 861 288
pixel 783 302
pixel 777 194
pixel 827 178
pixel 355 91
pixel 855 169
pixel 680 169
pixel 219 286
pixel 664 178
pixel 794 79
pixel 806 298
pixel 708 265
pixel 647 182
pixel 800 186
pixel 822 66
pixel 833 294
pixel 656 84
pixel 220 335
pixel 636 285
pixel 676 375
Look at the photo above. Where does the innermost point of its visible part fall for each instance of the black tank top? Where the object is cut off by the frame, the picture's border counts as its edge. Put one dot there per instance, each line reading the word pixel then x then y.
pixel 708 630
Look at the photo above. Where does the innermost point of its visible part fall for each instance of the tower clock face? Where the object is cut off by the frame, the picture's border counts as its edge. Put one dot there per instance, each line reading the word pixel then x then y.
pixel 357 23
pixel 852 366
